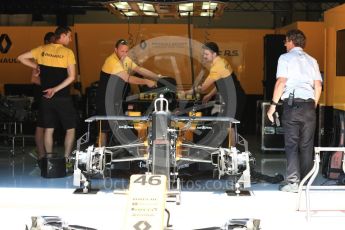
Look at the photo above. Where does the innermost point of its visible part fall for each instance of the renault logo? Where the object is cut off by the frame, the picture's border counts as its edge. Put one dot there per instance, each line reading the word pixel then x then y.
pixel 142 225
pixel 5 43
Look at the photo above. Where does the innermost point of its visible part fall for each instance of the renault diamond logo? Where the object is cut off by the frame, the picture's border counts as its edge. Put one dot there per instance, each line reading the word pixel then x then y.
pixel 5 43
pixel 142 225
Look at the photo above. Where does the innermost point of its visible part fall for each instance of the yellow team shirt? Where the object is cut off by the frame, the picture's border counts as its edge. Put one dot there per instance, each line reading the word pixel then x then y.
pixel 220 68
pixel 54 60
pixel 54 55
pixel 113 65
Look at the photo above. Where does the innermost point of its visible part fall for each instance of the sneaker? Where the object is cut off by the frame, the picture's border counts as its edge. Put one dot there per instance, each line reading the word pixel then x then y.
pixel 69 166
pixel 282 184
pixel 33 153
pixel 292 187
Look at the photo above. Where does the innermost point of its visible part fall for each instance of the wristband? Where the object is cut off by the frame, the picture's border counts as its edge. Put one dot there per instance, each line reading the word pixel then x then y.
pixel 274 103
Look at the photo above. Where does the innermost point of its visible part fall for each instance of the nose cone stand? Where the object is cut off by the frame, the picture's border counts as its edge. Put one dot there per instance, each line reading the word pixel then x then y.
pixel 160 135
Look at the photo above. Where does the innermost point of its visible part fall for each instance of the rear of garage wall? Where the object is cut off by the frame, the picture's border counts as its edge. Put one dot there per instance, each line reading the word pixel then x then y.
pixel 242 47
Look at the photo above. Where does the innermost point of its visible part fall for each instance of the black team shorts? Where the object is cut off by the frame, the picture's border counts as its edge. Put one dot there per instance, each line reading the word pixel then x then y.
pixel 58 109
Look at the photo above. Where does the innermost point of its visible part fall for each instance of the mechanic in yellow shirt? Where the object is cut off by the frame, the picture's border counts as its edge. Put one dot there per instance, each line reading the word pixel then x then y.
pixel 120 67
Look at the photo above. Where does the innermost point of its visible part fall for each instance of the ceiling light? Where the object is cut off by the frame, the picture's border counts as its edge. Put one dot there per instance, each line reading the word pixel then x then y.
pixel 209 5
pixel 185 7
pixel 130 13
pixel 146 7
pixel 165 9
pixel 206 14
pixel 147 13
pixel 122 5
pixel 186 14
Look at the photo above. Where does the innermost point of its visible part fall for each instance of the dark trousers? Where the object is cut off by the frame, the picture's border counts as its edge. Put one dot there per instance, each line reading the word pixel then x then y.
pixel 299 127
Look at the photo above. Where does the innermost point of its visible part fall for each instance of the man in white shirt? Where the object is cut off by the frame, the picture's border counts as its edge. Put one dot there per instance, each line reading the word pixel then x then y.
pixel 299 86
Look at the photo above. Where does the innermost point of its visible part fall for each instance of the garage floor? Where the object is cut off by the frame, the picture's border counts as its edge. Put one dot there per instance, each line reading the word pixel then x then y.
pixel 204 202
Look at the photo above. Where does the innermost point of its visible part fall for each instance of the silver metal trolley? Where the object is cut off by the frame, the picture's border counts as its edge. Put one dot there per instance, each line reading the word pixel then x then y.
pixel 312 175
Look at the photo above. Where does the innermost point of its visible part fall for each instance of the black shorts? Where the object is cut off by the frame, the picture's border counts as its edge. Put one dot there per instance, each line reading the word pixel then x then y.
pixel 58 109
pixel 36 105
pixel 39 122
pixel 240 105
pixel 37 93
pixel 119 92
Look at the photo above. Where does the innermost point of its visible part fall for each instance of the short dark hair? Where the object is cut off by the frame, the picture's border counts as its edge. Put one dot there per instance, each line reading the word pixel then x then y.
pixel 61 30
pixel 121 42
pixel 212 46
pixel 49 38
pixel 297 37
